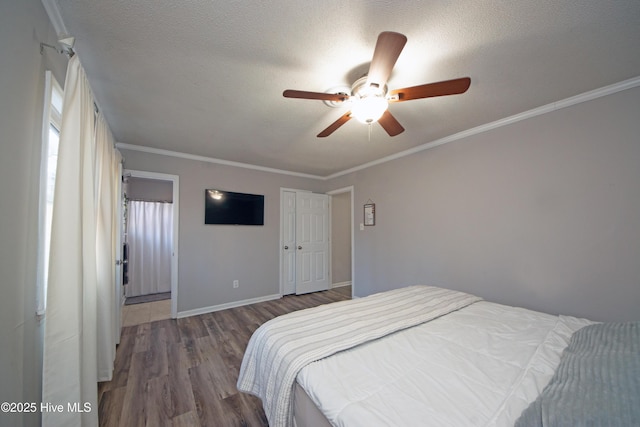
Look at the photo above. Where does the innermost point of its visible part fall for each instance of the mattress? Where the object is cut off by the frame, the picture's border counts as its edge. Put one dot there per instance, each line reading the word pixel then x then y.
pixel 479 366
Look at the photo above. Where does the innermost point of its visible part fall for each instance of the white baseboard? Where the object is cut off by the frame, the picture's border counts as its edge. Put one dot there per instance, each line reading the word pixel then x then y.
pixel 341 284
pixel 211 309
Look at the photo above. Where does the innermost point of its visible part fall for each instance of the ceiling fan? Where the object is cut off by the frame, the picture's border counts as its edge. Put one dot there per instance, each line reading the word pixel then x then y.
pixel 369 96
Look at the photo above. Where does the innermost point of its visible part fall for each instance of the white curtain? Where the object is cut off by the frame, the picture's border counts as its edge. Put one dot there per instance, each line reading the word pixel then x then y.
pixel 78 336
pixel 150 238
pixel 107 175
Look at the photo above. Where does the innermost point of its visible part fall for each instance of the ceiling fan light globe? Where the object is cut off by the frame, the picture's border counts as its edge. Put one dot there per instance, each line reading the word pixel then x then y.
pixel 369 109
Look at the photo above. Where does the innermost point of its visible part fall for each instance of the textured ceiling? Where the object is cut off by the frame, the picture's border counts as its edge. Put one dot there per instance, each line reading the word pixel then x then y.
pixel 206 77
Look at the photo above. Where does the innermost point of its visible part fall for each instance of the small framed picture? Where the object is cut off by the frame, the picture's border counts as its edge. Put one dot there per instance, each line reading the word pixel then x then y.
pixel 370 214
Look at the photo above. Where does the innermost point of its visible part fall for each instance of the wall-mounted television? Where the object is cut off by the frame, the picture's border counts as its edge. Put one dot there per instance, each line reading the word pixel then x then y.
pixel 226 207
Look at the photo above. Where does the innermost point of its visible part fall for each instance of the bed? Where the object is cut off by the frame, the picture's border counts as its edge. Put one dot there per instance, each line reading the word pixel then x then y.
pixel 424 355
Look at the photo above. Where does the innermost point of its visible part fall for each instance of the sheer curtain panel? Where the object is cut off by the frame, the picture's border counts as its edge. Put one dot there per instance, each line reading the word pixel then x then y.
pixel 78 337
pixel 150 238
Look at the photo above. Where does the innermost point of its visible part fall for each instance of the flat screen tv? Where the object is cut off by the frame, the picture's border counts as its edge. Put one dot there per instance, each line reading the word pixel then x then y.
pixel 226 207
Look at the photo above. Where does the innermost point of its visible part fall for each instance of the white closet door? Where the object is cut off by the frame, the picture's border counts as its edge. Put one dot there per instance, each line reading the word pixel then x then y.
pixel 288 231
pixel 312 242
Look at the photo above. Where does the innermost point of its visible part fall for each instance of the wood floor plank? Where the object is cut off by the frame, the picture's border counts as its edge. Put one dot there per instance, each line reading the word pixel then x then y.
pixel 231 352
pixel 222 382
pixel 142 338
pixel 212 324
pixel 192 327
pixel 179 382
pixel 171 330
pixel 156 356
pixel 133 411
pixel 158 404
pixel 244 410
pixel 188 419
pixel 193 352
pixel 183 372
pixel 211 411
pixel 110 407
pixel 123 361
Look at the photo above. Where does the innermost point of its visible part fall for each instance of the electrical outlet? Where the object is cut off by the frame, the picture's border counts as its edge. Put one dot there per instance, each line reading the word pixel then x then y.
pixel 236 284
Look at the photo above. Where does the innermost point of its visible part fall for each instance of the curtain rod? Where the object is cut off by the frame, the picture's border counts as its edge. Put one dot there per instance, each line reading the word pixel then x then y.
pixel 68 51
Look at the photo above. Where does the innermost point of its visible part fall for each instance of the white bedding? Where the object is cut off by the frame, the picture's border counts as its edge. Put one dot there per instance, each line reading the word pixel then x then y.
pixel 279 348
pixel 478 366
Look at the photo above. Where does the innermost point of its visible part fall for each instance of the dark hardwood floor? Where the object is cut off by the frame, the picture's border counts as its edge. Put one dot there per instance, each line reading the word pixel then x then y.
pixel 183 372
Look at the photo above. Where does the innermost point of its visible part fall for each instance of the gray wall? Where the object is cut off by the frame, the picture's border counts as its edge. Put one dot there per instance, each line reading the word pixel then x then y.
pixel 23 25
pixel 341 238
pixel 543 213
pixel 212 256
pixel 150 190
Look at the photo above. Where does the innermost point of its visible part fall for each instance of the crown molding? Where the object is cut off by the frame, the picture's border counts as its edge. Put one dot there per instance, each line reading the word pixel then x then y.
pixel 53 10
pixel 554 106
pixel 180 155
pixel 568 102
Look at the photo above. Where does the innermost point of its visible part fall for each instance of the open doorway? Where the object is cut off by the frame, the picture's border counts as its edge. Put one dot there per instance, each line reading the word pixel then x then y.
pixel 342 271
pixel 150 236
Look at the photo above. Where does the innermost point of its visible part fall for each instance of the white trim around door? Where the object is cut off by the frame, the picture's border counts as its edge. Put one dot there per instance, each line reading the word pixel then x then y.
pixel 350 189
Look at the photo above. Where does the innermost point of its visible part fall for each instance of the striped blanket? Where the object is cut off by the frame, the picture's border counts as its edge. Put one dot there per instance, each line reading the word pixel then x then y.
pixel 281 347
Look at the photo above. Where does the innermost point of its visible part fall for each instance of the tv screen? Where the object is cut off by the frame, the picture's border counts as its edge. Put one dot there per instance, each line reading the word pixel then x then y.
pixel 226 207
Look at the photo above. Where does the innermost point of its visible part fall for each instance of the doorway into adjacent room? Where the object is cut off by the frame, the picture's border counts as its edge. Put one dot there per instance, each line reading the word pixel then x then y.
pixel 150 243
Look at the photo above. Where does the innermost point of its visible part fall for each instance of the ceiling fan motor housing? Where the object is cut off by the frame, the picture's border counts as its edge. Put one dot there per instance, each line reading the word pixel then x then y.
pixel 360 88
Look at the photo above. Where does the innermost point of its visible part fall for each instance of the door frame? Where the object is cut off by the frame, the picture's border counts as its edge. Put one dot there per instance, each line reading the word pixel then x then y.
pixel 175 179
pixel 119 289
pixel 351 190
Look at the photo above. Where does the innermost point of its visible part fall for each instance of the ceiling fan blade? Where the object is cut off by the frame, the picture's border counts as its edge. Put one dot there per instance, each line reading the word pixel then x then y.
pixel 289 93
pixel 385 55
pixel 335 125
pixel 390 124
pixel 448 87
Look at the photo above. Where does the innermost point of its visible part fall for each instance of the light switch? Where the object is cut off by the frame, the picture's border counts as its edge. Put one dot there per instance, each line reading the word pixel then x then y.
pixel 361 227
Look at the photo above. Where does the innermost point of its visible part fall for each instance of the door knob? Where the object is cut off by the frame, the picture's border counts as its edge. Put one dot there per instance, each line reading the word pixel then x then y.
pixel 286 247
pixel 299 247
